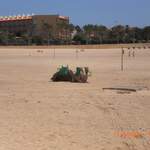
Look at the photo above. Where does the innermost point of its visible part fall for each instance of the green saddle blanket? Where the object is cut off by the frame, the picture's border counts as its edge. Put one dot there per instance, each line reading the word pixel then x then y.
pixel 63 71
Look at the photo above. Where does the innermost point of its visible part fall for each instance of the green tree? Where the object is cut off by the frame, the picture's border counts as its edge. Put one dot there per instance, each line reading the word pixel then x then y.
pixel 4 37
pixel 80 38
pixel 118 33
pixel 146 33
pixel 48 32
pixel 102 33
pixel 88 30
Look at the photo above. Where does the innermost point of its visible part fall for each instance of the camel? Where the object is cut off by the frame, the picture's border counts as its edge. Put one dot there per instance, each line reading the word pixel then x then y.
pixel 65 74
pixel 81 75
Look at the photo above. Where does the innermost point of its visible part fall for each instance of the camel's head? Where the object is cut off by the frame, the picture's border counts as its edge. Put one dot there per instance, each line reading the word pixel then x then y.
pixel 87 71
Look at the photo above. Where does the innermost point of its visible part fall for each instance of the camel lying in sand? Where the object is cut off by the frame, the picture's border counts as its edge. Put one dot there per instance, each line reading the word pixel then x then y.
pixel 65 74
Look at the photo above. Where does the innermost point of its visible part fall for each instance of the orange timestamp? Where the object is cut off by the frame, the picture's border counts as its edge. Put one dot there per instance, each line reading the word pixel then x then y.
pixel 132 134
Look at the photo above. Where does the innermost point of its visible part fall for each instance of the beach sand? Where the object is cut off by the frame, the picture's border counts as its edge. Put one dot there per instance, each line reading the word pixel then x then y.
pixel 37 114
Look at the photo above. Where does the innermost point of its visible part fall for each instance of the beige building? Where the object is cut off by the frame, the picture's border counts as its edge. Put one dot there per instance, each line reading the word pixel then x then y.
pixel 52 26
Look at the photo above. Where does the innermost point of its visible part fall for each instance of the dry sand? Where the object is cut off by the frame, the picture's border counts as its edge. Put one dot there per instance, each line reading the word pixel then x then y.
pixel 37 114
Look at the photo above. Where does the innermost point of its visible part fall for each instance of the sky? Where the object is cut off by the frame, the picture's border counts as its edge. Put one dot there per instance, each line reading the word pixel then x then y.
pixel 104 12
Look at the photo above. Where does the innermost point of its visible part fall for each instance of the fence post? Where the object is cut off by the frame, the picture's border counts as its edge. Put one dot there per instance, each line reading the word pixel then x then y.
pixel 122 61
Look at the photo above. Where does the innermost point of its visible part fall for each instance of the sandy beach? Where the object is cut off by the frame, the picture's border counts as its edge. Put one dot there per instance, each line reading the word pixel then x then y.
pixel 37 114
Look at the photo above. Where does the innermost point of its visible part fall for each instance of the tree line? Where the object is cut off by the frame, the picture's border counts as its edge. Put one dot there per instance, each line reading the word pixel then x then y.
pixel 71 34
pixel 99 34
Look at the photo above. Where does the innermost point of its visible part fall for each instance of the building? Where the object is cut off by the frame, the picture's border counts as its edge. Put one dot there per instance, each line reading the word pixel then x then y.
pixel 45 26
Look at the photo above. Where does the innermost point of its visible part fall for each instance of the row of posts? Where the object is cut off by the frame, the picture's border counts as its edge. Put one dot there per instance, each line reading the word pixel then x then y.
pixel 130 53
pixel 76 52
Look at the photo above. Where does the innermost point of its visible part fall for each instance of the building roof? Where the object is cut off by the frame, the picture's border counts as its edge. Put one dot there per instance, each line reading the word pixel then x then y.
pixel 23 17
pixel 15 18
pixel 64 17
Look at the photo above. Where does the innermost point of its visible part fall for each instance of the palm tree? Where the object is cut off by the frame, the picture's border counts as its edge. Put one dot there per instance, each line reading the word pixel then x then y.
pixel 118 33
pixel 4 37
pixel 59 31
pixel 78 29
pixel 64 31
pixel 102 33
pixel 71 28
pixel 88 30
pixel 48 30
pixel 146 33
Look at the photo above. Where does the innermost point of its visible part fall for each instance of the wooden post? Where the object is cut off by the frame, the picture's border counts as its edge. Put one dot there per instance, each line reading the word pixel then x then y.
pixel 133 53
pixel 122 54
pixel 54 53
pixel 77 54
pixel 129 54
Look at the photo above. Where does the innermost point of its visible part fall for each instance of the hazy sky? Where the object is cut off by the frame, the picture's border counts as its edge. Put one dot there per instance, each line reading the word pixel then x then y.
pixel 107 12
